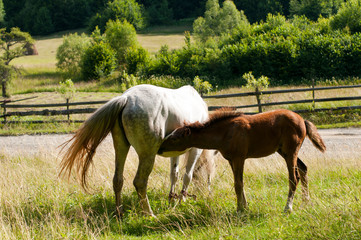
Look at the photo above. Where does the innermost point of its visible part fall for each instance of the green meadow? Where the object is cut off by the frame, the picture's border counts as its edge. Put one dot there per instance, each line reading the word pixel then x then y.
pixel 36 204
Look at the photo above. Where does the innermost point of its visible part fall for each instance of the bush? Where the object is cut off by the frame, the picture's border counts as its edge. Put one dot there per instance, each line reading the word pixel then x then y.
pixel 70 53
pixel 98 61
pixel 121 35
pixel 287 51
pixel 203 87
pixel 136 58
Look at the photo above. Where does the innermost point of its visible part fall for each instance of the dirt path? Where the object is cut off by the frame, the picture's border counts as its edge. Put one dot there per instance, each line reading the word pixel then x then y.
pixel 344 143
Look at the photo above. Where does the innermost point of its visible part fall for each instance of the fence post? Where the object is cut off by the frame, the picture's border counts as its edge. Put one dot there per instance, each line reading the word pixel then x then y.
pixel 313 93
pixel 67 110
pixel 258 96
pixel 4 111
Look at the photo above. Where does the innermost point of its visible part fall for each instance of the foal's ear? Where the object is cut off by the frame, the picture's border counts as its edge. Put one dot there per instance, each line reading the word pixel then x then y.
pixel 185 132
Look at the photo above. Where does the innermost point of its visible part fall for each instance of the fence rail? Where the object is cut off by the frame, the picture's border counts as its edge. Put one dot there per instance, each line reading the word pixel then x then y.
pixel 7 104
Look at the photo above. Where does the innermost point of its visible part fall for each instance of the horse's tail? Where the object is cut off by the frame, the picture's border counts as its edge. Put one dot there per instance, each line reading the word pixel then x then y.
pixel 314 136
pixel 88 137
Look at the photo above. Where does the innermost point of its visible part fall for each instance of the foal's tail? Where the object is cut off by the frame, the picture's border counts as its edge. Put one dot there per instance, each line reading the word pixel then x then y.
pixel 88 137
pixel 314 136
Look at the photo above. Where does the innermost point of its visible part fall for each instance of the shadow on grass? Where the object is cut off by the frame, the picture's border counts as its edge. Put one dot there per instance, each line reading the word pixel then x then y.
pixel 44 74
pixel 97 213
pixel 190 215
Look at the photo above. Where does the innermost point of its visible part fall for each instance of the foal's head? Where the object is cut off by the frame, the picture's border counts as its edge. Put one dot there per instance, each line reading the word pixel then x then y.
pixel 177 141
pixel 184 137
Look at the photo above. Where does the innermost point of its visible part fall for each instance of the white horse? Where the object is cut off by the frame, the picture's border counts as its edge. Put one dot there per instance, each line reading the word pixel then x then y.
pixel 141 117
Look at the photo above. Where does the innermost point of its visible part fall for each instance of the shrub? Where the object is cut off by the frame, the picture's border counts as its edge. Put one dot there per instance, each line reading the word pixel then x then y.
pixel 121 35
pixel 69 55
pixel 201 86
pixel 136 58
pixel 67 89
pixel 98 61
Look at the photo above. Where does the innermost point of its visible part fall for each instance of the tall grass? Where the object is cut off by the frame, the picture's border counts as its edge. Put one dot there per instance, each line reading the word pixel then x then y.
pixel 36 204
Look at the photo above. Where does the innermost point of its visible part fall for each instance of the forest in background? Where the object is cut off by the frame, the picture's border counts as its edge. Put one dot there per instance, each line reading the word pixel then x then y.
pixel 39 17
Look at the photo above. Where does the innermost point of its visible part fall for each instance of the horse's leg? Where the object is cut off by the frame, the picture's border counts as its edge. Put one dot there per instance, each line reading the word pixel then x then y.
pixel 121 146
pixel 302 170
pixel 211 165
pixel 237 165
pixel 146 163
pixel 174 172
pixel 291 161
pixel 193 156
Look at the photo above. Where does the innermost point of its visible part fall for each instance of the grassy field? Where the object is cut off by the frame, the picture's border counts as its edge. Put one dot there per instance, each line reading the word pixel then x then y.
pixel 36 204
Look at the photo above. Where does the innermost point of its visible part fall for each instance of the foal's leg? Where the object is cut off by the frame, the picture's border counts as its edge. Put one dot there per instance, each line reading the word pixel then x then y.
pixel 237 168
pixel 193 156
pixel 293 181
pixel 291 161
pixel 302 170
pixel 146 163
pixel 174 173
pixel 121 147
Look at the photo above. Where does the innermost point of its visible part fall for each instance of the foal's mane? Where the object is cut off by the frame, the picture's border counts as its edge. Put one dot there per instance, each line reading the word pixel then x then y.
pixel 217 116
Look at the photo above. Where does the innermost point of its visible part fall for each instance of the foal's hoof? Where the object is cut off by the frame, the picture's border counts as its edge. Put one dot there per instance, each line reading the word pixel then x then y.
pixel 287 210
pixel 172 197
pixel 185 194
pixel 119 212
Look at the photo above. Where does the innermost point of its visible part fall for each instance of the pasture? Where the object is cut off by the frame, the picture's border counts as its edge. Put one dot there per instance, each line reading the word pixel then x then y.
pixel 36 204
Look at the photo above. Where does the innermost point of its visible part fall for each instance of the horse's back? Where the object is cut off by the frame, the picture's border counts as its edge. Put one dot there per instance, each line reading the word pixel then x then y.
pixel 271 130
pixel 152 112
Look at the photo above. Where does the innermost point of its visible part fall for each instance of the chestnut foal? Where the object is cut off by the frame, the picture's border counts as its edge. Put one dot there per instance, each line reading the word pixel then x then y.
pixel 238 137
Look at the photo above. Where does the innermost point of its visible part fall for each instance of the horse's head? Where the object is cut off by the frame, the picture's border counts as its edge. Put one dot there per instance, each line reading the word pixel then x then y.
pixel 176 143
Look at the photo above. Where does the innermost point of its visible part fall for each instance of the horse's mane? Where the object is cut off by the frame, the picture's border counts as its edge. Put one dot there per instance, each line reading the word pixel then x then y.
pixel 217 116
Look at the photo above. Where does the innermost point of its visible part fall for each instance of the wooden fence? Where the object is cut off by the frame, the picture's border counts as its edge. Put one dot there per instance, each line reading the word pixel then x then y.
pixel 6 105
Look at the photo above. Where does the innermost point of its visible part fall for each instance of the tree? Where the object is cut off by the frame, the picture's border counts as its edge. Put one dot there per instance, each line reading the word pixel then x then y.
pixel 43 23
pixel 2 13
pixel 258 10
pixel 13 45
pixel 128 10
pixel 348 16
pixel 218 21
pixel 313 9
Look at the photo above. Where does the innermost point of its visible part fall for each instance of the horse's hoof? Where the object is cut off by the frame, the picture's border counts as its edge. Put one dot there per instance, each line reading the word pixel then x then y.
pixel 119 212
pixel 185 194
pixel 172 197
pixel 287 210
